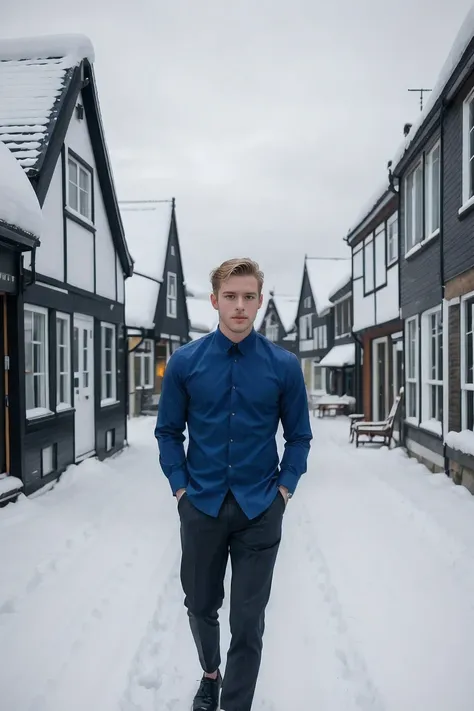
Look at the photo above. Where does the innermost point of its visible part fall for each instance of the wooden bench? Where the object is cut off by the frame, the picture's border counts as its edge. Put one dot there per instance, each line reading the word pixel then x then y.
pixel 382 429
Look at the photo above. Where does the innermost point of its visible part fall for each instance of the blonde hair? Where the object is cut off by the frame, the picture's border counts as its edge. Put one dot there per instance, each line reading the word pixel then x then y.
pixel 236 267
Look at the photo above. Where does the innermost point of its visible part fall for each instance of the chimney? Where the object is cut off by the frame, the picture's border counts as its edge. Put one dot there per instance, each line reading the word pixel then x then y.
pixel 407 128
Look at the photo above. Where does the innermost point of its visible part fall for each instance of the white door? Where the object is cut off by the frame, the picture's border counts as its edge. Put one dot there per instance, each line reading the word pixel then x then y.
pixel 84 429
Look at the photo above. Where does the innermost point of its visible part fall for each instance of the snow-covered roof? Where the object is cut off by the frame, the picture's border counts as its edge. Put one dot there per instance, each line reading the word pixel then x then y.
pixel 141 297
pixel 34 72
pixel 339 356
pixel 371 204
pixel 19 206
pixel 461 43
pixel 324 275
pixel 343 281
pixel 287 307
pixel 147 228
pixel 203 317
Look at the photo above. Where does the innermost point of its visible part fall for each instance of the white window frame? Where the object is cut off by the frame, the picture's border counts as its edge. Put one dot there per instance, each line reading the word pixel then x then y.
pixel 171 298
pixel 369 244
pixel 44 409
pixel 432 227
pixel 271 331
pixel 466 388
pixel 104 398
pixel 67 403
pixel 143 357
pixel 411 237
pixel 392 239
pixel 410 379
pixel 341 305
pixel 427 382
pixel 467 158
pixel 380 244
pixel 305 327
pixel 358 261
pixel 322 370
pixel 307 302
pixel 79 167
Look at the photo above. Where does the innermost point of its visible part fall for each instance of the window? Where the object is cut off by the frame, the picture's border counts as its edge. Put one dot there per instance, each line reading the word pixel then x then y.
pixel 432 355
pixel 307 302
pixel 320 338
pixel 63 362
pixel 171 295
pixel 380 257
pixel 468 150
pixel 433 193
pixel 392 239
pixel 48 460
pixel 271 331
pixel 412 368
pixel 36 360
pixel 369 264
pixel 357 263
pixel 414 208
pixel 143 364
pixel 467 364
pixel 342 318
pixel 306 327
pixel 172 250
pixel 319 378
pixel 79 188
pixel 108 386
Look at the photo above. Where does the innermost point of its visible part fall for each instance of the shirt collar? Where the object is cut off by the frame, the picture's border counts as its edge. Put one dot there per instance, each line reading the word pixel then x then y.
pixel 225 344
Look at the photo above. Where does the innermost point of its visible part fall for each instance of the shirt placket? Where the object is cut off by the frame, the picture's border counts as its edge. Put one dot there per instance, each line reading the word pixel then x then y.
pixel 233 404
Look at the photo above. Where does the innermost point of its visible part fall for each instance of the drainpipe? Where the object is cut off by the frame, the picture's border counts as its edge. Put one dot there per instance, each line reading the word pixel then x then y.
pixel 441 253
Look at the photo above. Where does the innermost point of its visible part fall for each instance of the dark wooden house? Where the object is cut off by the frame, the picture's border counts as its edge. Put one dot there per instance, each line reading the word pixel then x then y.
pixel 437 208
pixel 340 360
pixel 315 323
pixel 156 313
pixel 69 373
pixel 278 322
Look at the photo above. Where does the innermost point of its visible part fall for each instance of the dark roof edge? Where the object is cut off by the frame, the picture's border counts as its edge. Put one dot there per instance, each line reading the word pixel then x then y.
pixel 371 215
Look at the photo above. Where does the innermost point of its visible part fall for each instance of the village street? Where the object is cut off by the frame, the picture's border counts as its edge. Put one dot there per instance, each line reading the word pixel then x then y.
pixel 372 605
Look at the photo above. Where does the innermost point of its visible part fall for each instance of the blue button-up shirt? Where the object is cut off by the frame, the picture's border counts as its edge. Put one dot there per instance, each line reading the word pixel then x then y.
pixel 232 397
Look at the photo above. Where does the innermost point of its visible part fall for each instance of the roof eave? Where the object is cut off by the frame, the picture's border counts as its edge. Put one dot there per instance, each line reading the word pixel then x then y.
pixel 18 239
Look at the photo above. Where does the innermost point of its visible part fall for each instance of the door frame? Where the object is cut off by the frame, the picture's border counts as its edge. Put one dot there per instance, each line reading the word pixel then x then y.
pixel 375 377
pixel 85 318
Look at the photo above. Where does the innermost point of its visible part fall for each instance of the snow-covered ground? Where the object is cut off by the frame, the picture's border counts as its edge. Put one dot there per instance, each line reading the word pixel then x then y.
pixel 372 604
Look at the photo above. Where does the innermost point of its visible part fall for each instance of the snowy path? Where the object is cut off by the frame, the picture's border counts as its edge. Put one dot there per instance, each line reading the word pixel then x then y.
pixel 372 605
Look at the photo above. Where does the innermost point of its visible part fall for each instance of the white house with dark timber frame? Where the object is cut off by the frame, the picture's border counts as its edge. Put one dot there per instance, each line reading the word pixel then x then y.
pixel 69 370
pixel 314 319
pixel 156 312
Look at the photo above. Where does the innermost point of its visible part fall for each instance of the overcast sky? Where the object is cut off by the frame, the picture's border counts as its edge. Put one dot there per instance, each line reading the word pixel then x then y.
pixel 270 122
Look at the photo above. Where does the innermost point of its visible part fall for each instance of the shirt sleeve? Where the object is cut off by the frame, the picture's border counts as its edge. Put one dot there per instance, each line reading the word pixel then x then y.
pixel 294 415
pixel 171 423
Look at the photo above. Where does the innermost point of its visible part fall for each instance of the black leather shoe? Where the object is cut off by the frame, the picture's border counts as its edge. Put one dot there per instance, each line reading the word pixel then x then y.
pixel 207 697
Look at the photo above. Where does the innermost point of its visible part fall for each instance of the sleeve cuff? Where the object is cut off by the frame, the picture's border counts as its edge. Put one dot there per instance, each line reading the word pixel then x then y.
pixel 289 480
pixel 178 480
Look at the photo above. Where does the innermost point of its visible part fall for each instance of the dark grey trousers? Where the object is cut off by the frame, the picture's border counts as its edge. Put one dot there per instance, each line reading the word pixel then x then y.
pixel 253 547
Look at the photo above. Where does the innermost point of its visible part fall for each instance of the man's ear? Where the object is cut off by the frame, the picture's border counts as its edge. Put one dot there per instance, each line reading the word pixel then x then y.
pixel 214 300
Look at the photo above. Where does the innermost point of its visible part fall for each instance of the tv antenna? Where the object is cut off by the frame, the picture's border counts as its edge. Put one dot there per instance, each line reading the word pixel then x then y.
pixel 421 91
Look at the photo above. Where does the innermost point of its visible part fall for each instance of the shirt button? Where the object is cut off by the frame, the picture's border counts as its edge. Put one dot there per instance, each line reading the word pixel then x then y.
pixel 233 387
pixel 230 466
pixel 231 440
pixel 233 414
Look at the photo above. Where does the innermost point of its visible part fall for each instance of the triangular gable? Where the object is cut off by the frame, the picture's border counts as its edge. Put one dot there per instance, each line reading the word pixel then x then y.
pixel 324 275
pixel 40 81
pixel 147 226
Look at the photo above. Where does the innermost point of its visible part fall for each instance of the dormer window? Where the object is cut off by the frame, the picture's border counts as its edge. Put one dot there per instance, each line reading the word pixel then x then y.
pixel 79 194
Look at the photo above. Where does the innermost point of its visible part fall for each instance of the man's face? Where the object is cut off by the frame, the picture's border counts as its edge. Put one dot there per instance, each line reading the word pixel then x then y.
pixel 237 303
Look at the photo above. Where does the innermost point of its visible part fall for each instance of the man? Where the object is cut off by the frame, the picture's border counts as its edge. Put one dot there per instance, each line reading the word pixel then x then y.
pixel 231 388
